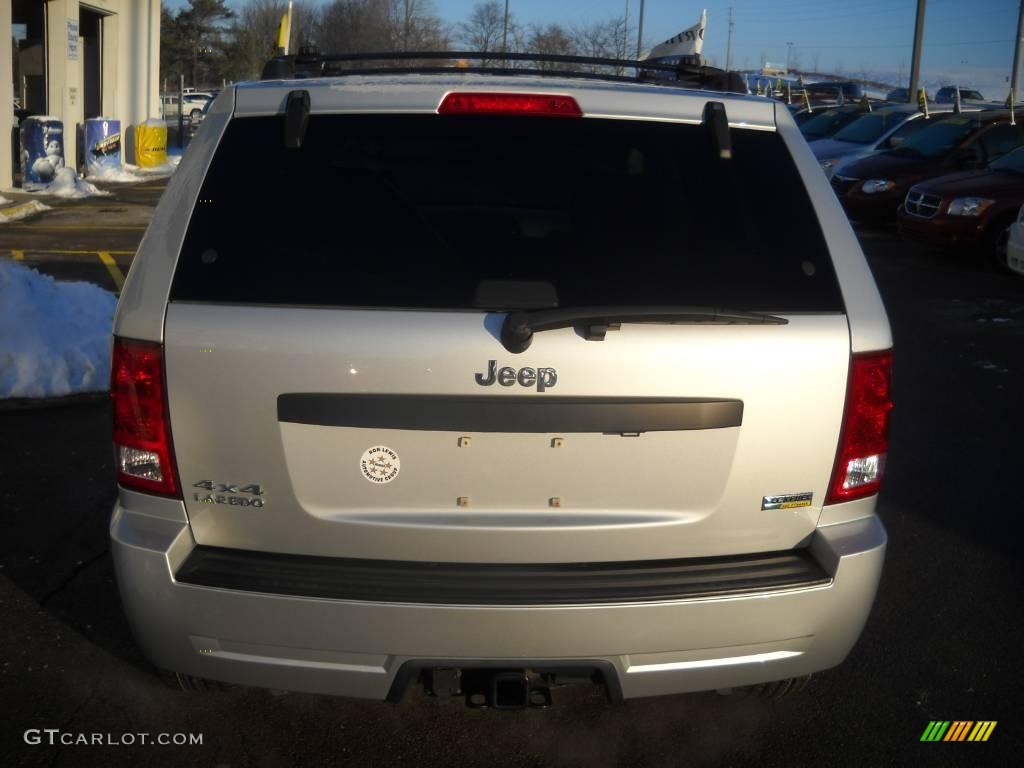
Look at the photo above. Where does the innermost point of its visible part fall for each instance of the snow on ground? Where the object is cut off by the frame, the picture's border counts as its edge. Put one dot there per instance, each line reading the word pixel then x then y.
pixel 54 336
pixel 117 173
pixel 23 210
pixel 66 184
pixel 157 171
pixel 3 200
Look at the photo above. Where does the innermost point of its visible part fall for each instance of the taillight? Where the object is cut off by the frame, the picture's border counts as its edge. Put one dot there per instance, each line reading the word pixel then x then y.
pixel 142 434
pixel 864 439
pixel 538 104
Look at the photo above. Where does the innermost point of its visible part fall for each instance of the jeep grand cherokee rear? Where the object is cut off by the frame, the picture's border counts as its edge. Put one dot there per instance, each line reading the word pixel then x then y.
pixel 465 378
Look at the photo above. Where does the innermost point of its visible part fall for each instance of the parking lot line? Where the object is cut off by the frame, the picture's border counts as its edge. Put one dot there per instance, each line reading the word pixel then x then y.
pixel 112 268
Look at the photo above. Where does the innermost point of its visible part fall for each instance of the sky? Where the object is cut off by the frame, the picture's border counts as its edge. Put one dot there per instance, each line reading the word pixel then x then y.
pixel 968 43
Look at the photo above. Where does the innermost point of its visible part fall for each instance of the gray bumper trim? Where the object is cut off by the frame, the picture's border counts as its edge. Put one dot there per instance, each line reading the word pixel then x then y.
pixel 392 581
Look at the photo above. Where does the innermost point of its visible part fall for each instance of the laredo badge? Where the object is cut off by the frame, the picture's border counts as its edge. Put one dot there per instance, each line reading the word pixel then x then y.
pixel 380 464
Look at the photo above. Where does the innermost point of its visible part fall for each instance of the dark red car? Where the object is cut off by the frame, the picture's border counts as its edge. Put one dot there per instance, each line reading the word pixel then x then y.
pixel 873 188
pixel 971 211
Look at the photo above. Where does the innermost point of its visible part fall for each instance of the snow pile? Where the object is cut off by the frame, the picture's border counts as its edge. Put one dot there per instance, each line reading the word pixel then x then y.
pixel 66 183
pixel 3 200
pixel 117 173
pixel 54 336
pixel 155 172
pixel 23 210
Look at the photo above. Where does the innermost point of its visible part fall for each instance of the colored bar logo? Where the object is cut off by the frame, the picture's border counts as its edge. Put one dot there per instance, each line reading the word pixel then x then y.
pixel 958 730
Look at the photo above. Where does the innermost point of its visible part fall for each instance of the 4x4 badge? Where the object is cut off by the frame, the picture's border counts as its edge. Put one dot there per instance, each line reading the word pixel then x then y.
pixel 543 378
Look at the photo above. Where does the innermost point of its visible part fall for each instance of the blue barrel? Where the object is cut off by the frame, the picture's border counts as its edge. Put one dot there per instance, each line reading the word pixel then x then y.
pixel 102 144
pixel 42 150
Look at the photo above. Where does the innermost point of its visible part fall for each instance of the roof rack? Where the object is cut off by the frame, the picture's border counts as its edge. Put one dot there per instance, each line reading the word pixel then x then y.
pixel 309 62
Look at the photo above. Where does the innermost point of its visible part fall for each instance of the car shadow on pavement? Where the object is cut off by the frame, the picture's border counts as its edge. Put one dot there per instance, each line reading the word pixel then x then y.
pixel 57 496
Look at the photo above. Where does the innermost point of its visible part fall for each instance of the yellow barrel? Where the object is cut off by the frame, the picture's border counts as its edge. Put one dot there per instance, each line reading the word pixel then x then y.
pixel 151 144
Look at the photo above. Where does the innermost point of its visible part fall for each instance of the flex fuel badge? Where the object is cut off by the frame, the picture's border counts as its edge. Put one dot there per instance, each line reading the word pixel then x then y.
pixel 380 464
pixel 787 501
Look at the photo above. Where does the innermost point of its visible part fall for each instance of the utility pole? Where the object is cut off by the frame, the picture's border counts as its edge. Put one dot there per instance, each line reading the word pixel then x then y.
pixel 1015 76
pixel 504 30
pixel 915 63
pixel 640 32
pixel 728 49
pixel 789 56
pixel 625 33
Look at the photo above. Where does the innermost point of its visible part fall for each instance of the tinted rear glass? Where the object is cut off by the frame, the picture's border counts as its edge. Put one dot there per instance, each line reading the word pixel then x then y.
pixel 414 211
pixel 828 123
pixel 869 128
pixel 940 137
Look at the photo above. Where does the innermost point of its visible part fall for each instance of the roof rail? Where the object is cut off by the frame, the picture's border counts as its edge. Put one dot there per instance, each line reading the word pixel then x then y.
pixel 309 62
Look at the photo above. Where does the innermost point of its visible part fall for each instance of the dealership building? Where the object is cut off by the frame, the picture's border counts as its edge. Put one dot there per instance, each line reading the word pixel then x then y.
pixel 75 60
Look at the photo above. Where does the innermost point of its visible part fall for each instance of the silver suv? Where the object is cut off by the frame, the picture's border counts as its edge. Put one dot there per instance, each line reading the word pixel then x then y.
pixel 492 382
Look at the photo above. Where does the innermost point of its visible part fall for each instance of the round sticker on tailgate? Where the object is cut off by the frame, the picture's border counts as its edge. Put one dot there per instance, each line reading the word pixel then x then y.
pixel 380 464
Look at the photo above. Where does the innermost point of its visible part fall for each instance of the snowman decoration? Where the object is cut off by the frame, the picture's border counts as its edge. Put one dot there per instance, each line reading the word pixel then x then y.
pixel 45 168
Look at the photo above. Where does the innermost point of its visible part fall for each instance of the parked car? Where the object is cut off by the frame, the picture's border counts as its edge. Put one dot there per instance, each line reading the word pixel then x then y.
pixel 902 95
pixel 947 95
pixel 830 90
pixel 880 129
pixel 415 419
pixel 1015 245
pixel 193 101
pixel 873 188
pixel 969 211
pixel 829 121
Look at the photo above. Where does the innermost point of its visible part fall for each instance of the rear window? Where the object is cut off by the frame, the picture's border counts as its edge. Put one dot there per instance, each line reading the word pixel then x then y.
pixel 870 127
pixel 939 137
pixel 414 211
pixel 828 123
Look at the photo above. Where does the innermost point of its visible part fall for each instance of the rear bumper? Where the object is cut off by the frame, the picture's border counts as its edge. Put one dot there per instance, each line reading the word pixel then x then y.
pixel 951 232
pixel 357 647
pixel 875 209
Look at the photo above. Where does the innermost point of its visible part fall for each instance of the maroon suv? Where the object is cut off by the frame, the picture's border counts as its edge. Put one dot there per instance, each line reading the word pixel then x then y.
pixel 970 211
pixel 873 188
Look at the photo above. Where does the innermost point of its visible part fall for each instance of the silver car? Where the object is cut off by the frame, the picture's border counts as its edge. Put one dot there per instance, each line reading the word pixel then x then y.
pixel 493 382
pixel 882 129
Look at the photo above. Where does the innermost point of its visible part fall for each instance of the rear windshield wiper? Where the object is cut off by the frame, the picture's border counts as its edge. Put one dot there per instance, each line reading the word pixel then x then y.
pixel 518 329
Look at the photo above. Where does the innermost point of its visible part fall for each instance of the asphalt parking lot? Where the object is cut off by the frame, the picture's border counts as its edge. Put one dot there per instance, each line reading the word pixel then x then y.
pixel 90 239
pixel 943 642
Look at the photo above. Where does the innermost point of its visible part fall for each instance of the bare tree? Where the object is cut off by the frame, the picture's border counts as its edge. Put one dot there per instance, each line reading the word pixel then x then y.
pixel 415 26
pixel 350 26
pixel 254 34
pixel 550 39
pixel 484 29
pixel 608 39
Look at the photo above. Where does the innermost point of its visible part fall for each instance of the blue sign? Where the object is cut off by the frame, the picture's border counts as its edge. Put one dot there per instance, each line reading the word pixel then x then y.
pixel 42 150
pixel 102 145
